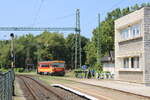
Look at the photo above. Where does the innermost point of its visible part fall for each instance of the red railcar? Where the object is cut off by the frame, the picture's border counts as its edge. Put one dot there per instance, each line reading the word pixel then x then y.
pixel 51 67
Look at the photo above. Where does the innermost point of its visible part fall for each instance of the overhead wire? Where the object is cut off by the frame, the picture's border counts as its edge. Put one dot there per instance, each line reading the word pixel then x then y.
pixel 64 17
pixel 115 5
pixel 103 12
pixel 37 14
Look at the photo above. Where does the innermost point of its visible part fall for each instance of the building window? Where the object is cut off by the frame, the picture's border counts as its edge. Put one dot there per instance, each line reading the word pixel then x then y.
pixel 125 34
pixel 126 62
pixel 130 32
pixel 134 62
pixel 135 30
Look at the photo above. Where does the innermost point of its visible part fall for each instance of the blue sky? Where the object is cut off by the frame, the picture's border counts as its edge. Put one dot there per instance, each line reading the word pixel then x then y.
pixel 57 13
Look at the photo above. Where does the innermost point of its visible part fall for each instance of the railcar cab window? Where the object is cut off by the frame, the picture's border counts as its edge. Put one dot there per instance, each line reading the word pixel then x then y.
pixel 130 32
pixel 44 65
pixel 58 65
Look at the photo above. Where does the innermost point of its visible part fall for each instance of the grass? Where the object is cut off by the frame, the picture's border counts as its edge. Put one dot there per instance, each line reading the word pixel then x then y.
pixel 4 70
pixel 50 79
pixel 55 80
pixel 27 73
pixel 70 73
pixel 22 71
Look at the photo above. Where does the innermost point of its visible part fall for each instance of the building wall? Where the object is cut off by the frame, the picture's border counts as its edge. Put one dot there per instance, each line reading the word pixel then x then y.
pixel 147 45
pixel 134 76
pixel 129 48
pixel 109 66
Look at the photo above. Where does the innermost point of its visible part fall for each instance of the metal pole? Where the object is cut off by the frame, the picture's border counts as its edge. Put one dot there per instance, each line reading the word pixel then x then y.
pixel 76 44
pixel 78 40
pixel 98 42
pixel 38 58
pixel 12 62
pixel 80 49
pixel 76 52
pixel 12 50
pixel 39 54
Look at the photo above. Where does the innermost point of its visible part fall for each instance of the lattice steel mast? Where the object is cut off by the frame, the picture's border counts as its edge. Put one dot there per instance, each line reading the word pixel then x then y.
pixel 76 29
pixel 98 43
pixel 78 41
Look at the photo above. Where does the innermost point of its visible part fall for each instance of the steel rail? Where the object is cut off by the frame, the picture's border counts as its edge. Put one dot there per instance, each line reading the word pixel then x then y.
pixel 29 88
pixel 43 86
pixel 131 93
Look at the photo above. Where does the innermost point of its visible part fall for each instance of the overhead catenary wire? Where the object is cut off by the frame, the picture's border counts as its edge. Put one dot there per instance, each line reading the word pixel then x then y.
pixel 61 19
pixel 34 22
pixel 116 4
pixel 64 17
pixel 37 13
pixel 103 12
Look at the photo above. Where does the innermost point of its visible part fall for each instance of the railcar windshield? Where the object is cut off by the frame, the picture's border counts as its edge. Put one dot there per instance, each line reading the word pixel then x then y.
pixel 58 65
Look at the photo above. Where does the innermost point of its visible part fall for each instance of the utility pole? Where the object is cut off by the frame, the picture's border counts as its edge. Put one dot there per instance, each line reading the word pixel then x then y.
pixel 12 51
pixel 27 57
pixel 12 61
pixel 98 43
pixel 78 40
pixel 38 52
pixel 80 49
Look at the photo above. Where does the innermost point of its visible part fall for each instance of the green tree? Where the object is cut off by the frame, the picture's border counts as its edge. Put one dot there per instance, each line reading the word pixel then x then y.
pixel 107 30
pixel 70 44
pixel 91 53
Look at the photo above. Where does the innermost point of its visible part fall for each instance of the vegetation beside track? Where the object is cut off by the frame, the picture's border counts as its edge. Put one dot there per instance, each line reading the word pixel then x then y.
pixel 54 46
pixel 3 70
pixel 50 79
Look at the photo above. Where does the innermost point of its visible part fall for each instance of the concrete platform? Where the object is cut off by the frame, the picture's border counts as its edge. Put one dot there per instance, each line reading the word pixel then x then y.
pixel 134 88
pixel 75 92
pixel 18 92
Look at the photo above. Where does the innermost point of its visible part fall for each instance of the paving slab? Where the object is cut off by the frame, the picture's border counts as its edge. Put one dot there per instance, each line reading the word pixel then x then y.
pixel 18 92
pixel 134 88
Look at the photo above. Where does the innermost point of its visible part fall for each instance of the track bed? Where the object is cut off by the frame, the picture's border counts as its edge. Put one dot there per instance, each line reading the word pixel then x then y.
pixel 34 89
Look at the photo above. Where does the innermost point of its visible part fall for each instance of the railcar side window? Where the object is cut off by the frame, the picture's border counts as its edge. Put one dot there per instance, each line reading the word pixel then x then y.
pixel 44 65
pixel 58 65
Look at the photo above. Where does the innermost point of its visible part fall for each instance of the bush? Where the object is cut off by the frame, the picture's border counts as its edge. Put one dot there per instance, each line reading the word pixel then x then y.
pixel 20 70
pixel 4 69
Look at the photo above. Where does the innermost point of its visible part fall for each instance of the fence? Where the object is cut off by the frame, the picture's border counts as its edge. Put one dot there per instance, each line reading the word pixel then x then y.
pixel 6 85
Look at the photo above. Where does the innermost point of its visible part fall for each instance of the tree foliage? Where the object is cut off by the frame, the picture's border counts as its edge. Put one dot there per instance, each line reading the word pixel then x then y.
pixel 107 32
pixel 47 46
pixel 30 49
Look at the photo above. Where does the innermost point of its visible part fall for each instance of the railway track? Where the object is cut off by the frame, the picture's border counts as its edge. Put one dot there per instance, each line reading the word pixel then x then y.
pixel 37 90
pixel 103 93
